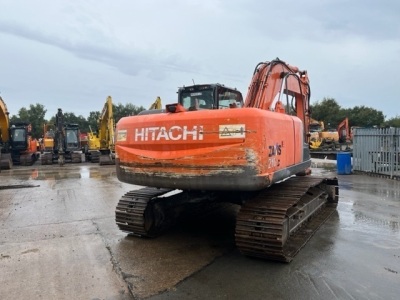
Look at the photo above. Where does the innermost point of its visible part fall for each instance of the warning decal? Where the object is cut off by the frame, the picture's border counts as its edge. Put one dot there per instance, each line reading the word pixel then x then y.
pixel 232 131
pixel 121 135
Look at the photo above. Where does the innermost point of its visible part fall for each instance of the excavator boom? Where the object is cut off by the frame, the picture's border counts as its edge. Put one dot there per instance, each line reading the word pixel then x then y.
pixel 157 104
pixel 278 86
pixel 5 156
pixel 4 122
pixel 106 134
pixel 100 147
pixel 344 130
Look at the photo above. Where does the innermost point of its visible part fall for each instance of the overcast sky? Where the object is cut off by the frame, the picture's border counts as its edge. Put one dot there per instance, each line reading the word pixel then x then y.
pixel 73 54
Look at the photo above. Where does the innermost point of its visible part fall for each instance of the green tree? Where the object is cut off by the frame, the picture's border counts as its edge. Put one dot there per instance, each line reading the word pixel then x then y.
pixel 129 109
pixel 34 115
pixel 331 113
pixel 71 118
pixel 365 116
pixel 328 111
pixel 393 122
pixel 93 119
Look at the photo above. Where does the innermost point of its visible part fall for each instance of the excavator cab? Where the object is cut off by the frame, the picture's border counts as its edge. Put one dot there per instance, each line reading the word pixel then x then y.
pixel 72 139
pixel 67 147
pixel 18 137
pixel 23 147
pixel 209 96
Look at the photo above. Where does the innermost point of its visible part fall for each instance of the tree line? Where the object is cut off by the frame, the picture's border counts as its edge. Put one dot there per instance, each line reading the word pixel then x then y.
pixel 331 113
pixel 327 110
pixel 35 115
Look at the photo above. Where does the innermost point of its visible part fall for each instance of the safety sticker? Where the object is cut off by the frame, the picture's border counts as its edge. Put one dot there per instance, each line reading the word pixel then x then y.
pixel 232 131
pixel 121 135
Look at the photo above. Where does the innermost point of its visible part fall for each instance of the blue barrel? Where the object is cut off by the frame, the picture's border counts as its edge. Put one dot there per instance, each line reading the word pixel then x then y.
pixel 343 160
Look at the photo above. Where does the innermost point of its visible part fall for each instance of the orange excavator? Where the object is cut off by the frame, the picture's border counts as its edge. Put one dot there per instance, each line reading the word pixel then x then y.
pixel 344 131
pixel 213 147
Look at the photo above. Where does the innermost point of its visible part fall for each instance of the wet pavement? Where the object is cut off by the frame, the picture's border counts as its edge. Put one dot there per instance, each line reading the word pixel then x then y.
pixel 58 240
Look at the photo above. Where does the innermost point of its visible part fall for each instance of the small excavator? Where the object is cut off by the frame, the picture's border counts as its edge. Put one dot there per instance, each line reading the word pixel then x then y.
pixel 212 147
pixel 100 147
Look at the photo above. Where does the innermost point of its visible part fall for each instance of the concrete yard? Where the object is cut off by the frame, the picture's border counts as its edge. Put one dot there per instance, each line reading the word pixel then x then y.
pixel 59 240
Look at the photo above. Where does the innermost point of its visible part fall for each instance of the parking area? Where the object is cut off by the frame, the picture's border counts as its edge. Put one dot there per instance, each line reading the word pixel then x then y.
pixel 58 240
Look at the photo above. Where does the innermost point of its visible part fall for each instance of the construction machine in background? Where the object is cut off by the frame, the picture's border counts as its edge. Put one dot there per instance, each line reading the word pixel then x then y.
pixel 322 138
pixel 100 147
pixel 84 141
pixel 156 104
pixel 344 131
pixel 23 148
pixel 211 147
pixel 5 155
pixel 345 135
pixel 66 143
pixel 47 144
pixel 16 142
pixel 315 128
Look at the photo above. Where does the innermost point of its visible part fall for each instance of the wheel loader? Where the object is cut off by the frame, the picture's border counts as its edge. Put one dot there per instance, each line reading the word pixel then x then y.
pixel 212 147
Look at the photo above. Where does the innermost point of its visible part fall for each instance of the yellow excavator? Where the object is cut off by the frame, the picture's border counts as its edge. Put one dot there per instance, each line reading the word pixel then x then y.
pixel 5 156
pixel 157 104
pixel 47 144
pixel 100 148
pixel 320 137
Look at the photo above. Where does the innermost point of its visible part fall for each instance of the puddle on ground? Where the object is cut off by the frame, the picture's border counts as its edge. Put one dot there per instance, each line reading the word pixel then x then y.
pixel 60 173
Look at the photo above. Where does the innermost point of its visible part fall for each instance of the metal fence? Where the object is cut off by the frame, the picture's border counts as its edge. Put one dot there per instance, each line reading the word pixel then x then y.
pixel 377 151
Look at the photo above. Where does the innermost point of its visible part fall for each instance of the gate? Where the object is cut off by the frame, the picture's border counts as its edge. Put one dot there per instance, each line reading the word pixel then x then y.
pixel 377 151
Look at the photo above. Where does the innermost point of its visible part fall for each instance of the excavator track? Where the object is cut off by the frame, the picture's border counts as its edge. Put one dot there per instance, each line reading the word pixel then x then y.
pixel 280 220
pixel 137 212
pixel 76 157
pixel 46 158
pixel 95 156
pixel 5 161
pixel 27 159
pixel 106 159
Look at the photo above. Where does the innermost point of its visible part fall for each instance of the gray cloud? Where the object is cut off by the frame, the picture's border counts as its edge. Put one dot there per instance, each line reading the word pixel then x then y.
pixel 129 61
pixel 77 53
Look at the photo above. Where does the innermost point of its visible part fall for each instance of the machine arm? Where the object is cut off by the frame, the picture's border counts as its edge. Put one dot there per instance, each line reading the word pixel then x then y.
pixel 278 86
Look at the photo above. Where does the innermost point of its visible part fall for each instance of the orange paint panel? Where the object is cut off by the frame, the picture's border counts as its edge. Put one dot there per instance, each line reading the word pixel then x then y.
pixel 179 145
